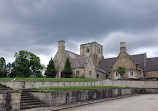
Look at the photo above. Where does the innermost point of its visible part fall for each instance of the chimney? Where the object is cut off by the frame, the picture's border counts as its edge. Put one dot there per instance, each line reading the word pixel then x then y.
pixel 123 46
pixel 61 45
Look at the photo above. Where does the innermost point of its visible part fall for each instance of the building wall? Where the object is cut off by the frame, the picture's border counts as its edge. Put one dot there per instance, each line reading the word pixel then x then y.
pixel 90 70
pixel 59 61
pixel 124 60
pixel 152 74
pixel 95 51
pixel 81 72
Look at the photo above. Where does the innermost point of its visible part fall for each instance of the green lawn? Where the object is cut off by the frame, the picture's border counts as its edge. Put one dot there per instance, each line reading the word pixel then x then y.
pixel 48 79
pixel 73 88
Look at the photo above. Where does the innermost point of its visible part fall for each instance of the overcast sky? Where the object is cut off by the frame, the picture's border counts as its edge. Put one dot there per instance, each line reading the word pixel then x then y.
pixel 37 25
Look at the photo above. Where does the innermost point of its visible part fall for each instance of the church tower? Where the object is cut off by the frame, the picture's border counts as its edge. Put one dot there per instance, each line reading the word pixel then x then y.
pixel 94 50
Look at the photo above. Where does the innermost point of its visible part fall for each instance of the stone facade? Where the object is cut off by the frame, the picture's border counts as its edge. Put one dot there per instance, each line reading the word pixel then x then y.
pixel 152 74
pixel 84 65
pixel 137 66
pixel 91 63
pixel 124 60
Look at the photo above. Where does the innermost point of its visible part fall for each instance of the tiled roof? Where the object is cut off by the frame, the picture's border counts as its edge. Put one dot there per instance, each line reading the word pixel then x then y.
pixel 152 64
pixel 106 64
pixel 77 61
pixel 139 59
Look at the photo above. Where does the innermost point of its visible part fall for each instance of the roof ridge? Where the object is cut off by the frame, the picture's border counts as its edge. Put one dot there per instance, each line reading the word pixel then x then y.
pixel 72 52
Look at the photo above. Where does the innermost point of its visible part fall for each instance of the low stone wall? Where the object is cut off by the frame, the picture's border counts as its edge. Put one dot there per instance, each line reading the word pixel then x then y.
pixel 10 100
pixel 60 98
pixel 107 82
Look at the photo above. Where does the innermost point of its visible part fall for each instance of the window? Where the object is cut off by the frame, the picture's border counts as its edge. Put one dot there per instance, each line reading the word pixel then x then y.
pixel 87 50
pixel 117 74
pixel 131 72
pixel 90 73
pixel 97 75
pixel 78 72
pixel 99 50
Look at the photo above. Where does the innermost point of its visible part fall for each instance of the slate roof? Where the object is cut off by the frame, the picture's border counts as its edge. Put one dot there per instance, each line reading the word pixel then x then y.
pixel 77 61
pixel 152 64
pixel 139 59
pixel 106 64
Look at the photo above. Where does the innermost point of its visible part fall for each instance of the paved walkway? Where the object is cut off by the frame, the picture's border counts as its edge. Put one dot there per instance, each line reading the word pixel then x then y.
pixel 137 103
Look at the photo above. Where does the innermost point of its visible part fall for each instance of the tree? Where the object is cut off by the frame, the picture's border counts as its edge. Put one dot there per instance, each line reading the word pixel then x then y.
pixel 50 70
pixel 9 68
pixel 3 72
pixel 121 71
pixel 26 64
pixel 67 69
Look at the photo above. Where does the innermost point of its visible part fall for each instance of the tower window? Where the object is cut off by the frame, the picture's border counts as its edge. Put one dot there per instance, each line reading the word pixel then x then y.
pixel 87 50
pixel 99 50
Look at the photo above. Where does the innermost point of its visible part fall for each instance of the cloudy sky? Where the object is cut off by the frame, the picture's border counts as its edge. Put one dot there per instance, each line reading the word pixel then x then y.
pixel 37 25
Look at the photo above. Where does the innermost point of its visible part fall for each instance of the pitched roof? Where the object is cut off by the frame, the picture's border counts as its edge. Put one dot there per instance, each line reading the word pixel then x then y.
pixel 106 64
pixel 152 64
pixel 139 59
pixel 77 61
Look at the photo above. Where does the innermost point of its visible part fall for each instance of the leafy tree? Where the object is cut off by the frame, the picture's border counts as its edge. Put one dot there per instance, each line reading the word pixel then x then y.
pixel 50 70
pixel 121 71
pixel 26 64
pixel 67 69
pixel 9 68
pixel 3 72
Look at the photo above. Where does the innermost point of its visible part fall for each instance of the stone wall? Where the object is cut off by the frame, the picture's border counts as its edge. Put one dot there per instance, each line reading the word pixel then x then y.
pixel 59 98
pixel 10 100
pixel 152 74
pixel 107 82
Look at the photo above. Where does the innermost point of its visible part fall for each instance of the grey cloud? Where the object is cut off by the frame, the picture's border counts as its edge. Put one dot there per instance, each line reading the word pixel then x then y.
pixel 29 24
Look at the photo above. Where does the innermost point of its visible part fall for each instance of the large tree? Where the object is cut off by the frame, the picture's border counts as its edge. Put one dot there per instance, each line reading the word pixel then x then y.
pixel 67 69
pixel 26 64
pixel 50 70
pixel 3 72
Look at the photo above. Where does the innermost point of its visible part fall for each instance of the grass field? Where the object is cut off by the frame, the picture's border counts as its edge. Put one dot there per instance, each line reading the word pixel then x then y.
pixel 73 88
pixel 48 79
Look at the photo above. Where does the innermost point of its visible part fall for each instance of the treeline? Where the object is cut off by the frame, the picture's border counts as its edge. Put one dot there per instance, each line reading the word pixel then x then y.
pixel 27 64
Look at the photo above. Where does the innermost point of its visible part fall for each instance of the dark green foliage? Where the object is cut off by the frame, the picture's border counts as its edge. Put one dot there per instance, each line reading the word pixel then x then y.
pixel 67 69
pixel 3 71
pixel 26 64
pixel 50 71
pixel 121 71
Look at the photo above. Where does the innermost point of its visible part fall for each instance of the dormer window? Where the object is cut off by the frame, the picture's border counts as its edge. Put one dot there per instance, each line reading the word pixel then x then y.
pixel 87 50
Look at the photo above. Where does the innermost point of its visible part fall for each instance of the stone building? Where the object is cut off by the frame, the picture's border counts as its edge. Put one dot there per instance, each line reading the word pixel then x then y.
pixel 91 63
pixel 84 65
pixel 137 66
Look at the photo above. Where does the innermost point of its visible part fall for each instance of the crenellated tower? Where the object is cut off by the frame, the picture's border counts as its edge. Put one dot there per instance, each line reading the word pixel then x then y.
pixel 94 50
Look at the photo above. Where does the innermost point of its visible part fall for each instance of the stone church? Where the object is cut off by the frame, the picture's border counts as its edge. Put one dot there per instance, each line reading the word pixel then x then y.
pixel 91 63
